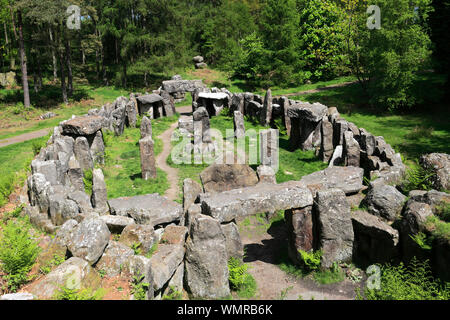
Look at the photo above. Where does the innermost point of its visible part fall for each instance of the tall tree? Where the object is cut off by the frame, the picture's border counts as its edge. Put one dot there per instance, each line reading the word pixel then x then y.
pixel 23 61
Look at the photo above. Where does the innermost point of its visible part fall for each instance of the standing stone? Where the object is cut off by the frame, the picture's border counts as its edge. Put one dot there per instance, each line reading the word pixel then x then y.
pixel 235 248
pixel 191 191
pixel 326 147
pixel 168 103
pixel 332 213
pixel 266 114
pixel 352 151
pixel 284 103
pixel 148 163
pixel 367 142
pixel 300 231
pixel 83 154
pixel 98 149
pixel 118 120
pixel 439 164
pixel 201 118
pixel 75 174
pixel 237 103
pixel 131 113
pixel 206 259
pixel 146 127
pixel 269 142
pixel 239 127
pixel 99 193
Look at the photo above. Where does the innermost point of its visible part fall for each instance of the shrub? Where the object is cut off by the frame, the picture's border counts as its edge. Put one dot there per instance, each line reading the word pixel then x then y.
pixel 85 294
pixel 311 260
pixel 18 253
pixel 438 228
pixel 412 282
pixel 443 211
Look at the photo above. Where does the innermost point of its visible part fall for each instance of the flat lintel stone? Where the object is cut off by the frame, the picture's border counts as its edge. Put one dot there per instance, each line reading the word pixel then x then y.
pixel 229 205
pixel 82 126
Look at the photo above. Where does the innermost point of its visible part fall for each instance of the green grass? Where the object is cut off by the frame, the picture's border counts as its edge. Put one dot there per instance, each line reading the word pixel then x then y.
pixel 122 167
pixel 15 160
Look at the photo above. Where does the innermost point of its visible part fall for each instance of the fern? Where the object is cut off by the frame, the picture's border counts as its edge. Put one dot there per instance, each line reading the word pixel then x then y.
pixel 139 288
pixel 65 293
pixel 18 253
pixel 418 179
pixel 311 259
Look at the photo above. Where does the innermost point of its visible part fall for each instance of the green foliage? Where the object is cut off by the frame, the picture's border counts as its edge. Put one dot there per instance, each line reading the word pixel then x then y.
pixel 328 276
pixel 443 211
pixel 65 293
pixel 311 259
pixel 136 248
pixel 49 265
pixel 422 240
pixel 412 282
pixel 18 253
pixel 239 278
pixel 152 250
pixel 13 214
pixel 88 179
pixel 417 178
pixel 438 228
pixel 173 295
pixel 139 288
pixel 387 61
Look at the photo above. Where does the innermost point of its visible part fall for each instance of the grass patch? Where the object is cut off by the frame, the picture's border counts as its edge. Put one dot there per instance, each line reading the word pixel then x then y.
pixel 122 167
pixel 328 276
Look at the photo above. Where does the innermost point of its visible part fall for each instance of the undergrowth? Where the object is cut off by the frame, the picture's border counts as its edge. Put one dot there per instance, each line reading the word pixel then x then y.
pixel 240 280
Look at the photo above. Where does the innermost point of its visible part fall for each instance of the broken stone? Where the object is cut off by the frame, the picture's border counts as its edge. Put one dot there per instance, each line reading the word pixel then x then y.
pixel 83 154
pixel 115 256
pixel 384 201
pixel 82 126
pixel 224 177
pixel 138 234
pixel 116 224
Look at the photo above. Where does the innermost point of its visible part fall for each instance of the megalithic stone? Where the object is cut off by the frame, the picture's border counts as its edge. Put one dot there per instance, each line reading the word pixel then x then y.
pixel 326 146
pixel 99 193
pixel 268 144
pixel 131 112
pixel 148 162
pixel 83 154
pixel 239 127
pixel 284 103
pixel 98 148
pixel 266 114
pixel 146 127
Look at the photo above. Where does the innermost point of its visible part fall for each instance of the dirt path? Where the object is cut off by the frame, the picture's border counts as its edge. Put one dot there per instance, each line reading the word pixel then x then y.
pixel 262 255
pixel 161 160
pixel 24 137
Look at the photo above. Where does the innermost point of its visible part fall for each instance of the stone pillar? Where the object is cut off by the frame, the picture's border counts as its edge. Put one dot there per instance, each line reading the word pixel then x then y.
pixel 352 151
pixel 326 146
pixel 146 127
pixel 148 165
pixel 98 148
pixel 83 154
pixel 300 232
pixel 131 113
pixel 284 103
pixel 269 151
pixel 99 193
pixel 239 127
pixel 266 114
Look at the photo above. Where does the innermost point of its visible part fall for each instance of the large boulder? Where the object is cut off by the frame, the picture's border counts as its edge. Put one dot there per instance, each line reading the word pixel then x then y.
pixel 82 126
pixel 89 239
pixel 439 164
pixel 224 177
pixel 138 234
pixel 115 256
pixel 348 179
pixel 151 209
pixel 206 259
pixel 384 201
pixel 238 203
pixel 336 236
pixel 375 240
pixel 74 273
pixel 164 262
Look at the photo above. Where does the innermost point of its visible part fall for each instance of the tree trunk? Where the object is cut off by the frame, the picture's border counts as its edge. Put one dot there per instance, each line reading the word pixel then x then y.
pixel 69 68
pixel 61 66
pixel 55 62
pixel 23 62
